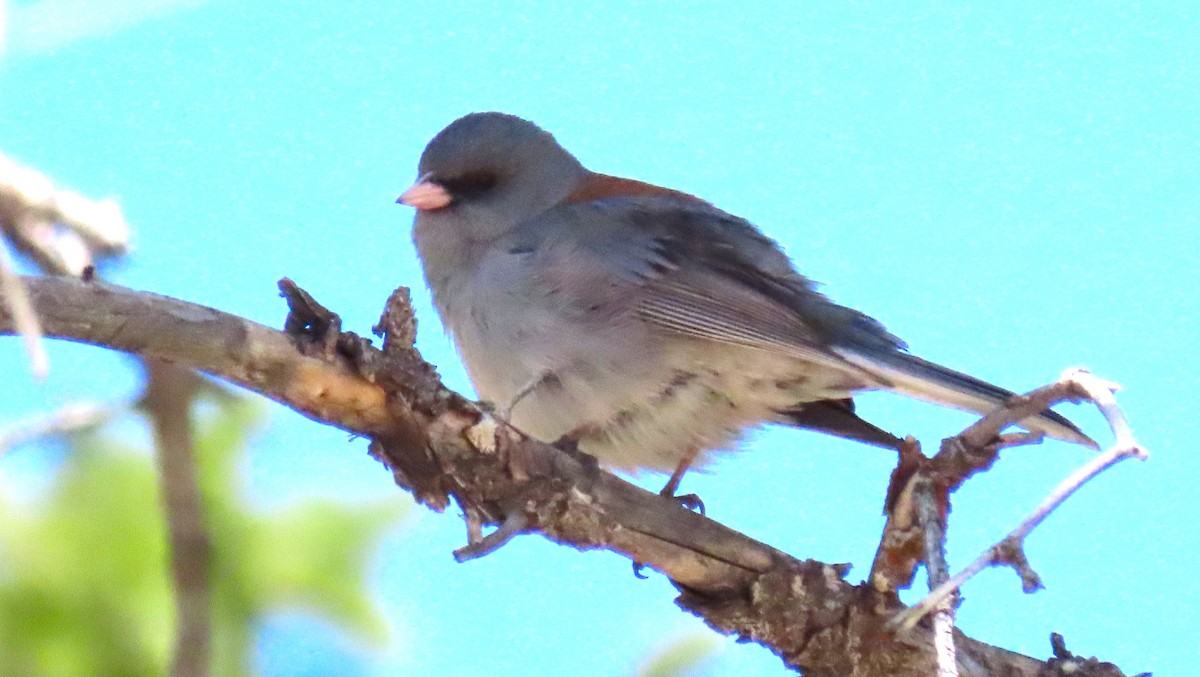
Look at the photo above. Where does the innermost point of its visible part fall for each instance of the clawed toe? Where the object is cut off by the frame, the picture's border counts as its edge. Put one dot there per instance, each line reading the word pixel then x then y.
pixel 691 502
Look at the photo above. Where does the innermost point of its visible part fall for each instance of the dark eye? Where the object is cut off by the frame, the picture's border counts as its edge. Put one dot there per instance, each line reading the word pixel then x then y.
pixel 469 185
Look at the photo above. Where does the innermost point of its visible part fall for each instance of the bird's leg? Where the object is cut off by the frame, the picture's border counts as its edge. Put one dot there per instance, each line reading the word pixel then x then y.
pixel 484 433
pixel 569 444
pixel 524 391
pixel 689 501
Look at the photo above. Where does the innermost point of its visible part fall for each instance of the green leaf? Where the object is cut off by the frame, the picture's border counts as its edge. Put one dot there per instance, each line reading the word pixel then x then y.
pixel 84 580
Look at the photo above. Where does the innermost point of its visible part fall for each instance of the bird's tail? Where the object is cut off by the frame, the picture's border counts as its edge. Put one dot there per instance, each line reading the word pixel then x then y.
pixel 922 379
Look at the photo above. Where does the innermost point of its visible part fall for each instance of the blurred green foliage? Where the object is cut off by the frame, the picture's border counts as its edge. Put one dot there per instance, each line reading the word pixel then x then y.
pixel 684 655
pixel 84 580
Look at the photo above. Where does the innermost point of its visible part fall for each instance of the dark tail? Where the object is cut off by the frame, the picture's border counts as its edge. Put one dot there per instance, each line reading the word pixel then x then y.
pixel 922 379
pixel 837 417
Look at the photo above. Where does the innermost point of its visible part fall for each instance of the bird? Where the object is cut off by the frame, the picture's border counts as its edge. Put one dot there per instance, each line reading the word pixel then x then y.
pixel 645 325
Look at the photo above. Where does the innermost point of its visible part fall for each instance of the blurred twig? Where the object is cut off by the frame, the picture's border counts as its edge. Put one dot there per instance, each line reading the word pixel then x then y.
pixel 65 233
pixel 62 231
pixel 26 320
pixel 73 418
pixel 170 391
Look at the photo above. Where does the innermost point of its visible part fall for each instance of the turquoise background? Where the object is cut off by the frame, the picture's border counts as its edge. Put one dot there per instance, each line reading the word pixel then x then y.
pixel 1011 187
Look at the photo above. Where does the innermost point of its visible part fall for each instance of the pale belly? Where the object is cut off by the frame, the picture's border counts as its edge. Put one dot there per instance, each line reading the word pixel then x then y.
pixel 647 409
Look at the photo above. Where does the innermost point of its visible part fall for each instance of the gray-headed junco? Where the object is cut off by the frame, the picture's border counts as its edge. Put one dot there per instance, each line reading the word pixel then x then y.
pixel 643 323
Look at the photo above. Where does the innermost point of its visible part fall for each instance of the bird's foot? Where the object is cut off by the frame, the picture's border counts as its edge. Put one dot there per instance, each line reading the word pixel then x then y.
pixel 689 501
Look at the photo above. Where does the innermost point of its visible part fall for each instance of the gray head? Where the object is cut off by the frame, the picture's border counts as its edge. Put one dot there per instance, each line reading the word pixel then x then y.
pixel 486 172
pixel 477 179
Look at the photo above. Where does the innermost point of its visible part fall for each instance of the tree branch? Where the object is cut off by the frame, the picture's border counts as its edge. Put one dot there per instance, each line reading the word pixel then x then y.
pixel 1010 549
pixel 802 610
pixel 932 522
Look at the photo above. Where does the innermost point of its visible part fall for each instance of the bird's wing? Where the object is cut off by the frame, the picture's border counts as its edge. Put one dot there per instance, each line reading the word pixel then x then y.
pixel 688 268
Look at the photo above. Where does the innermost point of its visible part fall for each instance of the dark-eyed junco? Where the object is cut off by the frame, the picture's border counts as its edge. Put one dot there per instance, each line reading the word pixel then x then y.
pixel 643 323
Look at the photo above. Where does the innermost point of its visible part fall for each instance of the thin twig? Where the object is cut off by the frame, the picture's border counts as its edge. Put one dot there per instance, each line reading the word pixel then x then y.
pixel 72 418
pixel 513 524
pixel 1020 407
pixel 17 298
pixel 943 639
pixel 932 523
pixel 1009 550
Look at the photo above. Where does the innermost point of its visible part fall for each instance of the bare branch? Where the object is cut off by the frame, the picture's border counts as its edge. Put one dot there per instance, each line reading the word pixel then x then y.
pixel 802 610
pixel 901 548
pixel 1064 662
pixel 1075 384
pixel 512 525
pixel 1019 408
pixel 931 520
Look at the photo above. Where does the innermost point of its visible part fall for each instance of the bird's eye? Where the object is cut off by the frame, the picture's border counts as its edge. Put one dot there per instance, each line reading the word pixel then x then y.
pixel 469 185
